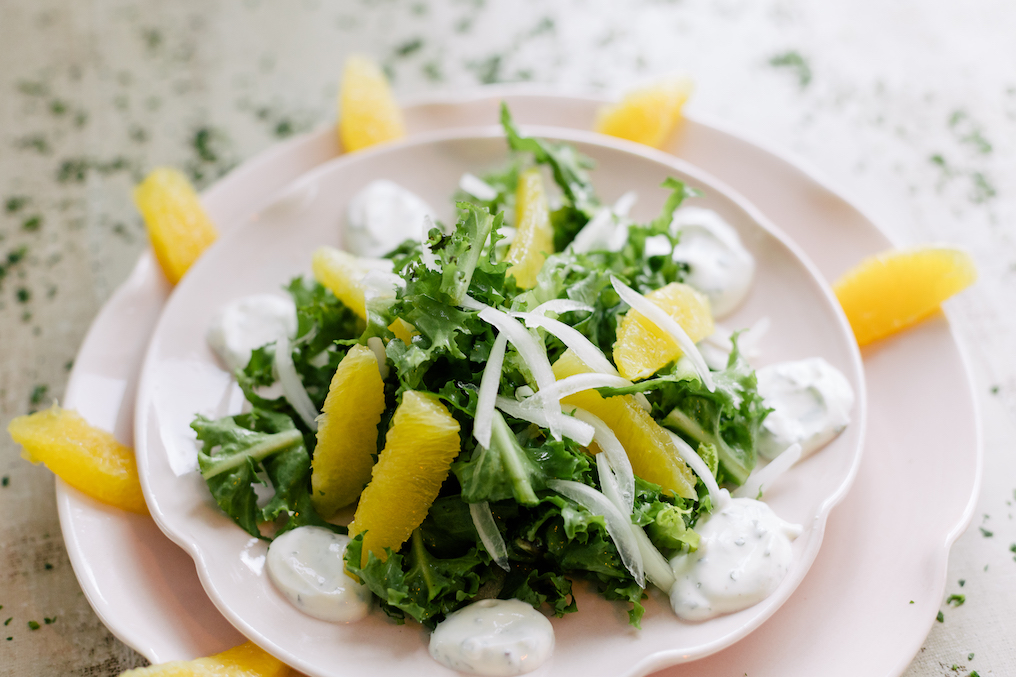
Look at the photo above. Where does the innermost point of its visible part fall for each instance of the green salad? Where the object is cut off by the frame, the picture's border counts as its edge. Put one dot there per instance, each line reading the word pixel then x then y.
pixel 527 509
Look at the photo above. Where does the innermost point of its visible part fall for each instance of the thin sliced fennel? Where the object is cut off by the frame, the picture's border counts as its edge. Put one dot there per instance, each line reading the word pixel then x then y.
pixel 560 306
pixel 666 323
pixel 489 534
pixel 617 457
pixel 695 462
pixel 762 478
pixel 570 427
pixel 377 346
pixel 618 525
pixel 292 386
pixel 531 352
pixel 489 383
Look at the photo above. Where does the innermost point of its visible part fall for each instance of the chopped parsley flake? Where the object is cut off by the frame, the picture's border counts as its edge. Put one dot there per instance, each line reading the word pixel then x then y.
pixel 49 621
pixel 8 621
pixel 33 625
pixel 940 617
pixel 5 480
pixel 986 533
pixel 970 656
pixel 956 600
pixel 38 394
pixel 794 61
pixel 963 582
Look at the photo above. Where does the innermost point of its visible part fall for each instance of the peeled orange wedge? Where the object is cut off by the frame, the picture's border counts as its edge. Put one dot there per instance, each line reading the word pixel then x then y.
pixel 642 348
pixel 177 224
pixel 246 660
pixel 347 432
pixel 90 460
pixel 368 113
pixel 534 236
pixel 341 272
pixel 419 449
pixel 647 115
pixel 652 454
pixel 894 290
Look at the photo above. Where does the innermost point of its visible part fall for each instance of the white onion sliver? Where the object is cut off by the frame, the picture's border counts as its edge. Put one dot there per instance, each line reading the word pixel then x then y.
pixel 618 525
pixel 535 357
pixel 477 187
pixel 595 234
pixel 292 386
pixel 624 203
pixel 577 383
pixel 489 383
pixel 490 535
pixel 657 567
pixel 661 319
pixel 572 428
pixel 609 485
pixel 761 478
pixel 469 303
pixel 559 306
pixel 583 348
pixel 695 462
pixel 618 459
pixel 377 346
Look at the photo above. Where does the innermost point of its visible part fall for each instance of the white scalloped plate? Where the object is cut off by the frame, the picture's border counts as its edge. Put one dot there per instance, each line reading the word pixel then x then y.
pixel 181 377
pixel 146 591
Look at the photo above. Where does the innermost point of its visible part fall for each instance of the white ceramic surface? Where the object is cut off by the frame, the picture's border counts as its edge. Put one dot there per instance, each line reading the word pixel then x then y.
pixel 852 604
pixel 182 377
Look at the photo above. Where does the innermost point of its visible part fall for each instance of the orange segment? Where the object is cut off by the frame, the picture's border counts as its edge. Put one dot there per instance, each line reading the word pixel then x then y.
pixel 647 115
pixel 341 272
pixel 178 226
pixel 246 660
pixel 889 292
pixel 652 454
pixel 403 330
pixel 534 236
pixel 642 348
pixel 419 450
pixel 347 432
pixel 88 459
pixel 368 113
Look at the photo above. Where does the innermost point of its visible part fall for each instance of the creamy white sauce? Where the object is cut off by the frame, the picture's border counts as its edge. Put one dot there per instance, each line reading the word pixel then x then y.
pixel 306 566
pixel 381 216
pixel 493 637
pixel 719 265
pixel 743 556
pixel 249 323
pixel 811 402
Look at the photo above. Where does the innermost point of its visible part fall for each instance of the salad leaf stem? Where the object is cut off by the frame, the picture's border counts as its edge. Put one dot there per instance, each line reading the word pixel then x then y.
pixel 256 452
pixel 504 441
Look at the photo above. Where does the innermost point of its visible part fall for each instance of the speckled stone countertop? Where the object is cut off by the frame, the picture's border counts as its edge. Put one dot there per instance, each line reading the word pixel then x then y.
pixel 908 107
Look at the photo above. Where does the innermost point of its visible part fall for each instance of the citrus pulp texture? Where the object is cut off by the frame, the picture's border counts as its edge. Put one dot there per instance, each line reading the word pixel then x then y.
pixel 368 113
pixel 534 236
pixel 347 431
pixel 653 456
pixel 88 459
pixel 642 348
pixel 421 444
pixel 177 224
pixel 894 290
pixel 647 115
pixel 246 660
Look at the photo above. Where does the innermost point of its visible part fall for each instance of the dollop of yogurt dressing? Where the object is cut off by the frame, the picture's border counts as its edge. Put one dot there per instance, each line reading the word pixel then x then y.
pixel 744 554
pixel 811 402
pixel 719 265
pixel 248 323
pixel 381 216
pixel 306 566
pixel 495 637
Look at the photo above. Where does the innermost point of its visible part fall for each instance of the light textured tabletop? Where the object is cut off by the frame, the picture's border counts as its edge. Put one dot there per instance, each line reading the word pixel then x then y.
pixel 907 107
